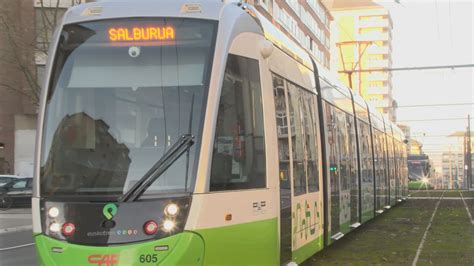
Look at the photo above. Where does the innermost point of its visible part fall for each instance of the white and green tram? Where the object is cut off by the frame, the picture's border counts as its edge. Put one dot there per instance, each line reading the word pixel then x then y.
pixel 196 133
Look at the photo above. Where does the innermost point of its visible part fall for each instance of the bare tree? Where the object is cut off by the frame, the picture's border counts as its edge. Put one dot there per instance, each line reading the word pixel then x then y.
pixel 28 41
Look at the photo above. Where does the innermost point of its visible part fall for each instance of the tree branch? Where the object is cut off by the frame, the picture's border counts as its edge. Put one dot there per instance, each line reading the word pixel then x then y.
pixel 20 91
pixel 35 88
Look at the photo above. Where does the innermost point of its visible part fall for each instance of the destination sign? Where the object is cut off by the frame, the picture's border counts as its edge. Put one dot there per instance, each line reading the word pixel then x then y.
pixel 141 34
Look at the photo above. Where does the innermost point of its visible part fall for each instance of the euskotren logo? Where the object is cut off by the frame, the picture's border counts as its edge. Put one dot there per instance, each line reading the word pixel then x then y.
pixel 109 211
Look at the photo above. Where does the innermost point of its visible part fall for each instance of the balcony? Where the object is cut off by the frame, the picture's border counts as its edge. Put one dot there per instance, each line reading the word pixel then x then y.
pixel 375 49
pixel 374 36
pixel 375 23
pixel 385 103
pixel 378 90
pixel 54 3
pixel 384 63
pixel 378 76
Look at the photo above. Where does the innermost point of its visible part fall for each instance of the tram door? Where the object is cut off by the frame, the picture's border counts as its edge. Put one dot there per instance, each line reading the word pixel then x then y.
pixel 300 176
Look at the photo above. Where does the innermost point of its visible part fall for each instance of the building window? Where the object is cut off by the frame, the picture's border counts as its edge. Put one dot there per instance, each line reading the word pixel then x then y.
pixel 265 4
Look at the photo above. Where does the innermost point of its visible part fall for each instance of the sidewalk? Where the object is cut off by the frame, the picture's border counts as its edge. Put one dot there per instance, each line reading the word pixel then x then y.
pixel 14 220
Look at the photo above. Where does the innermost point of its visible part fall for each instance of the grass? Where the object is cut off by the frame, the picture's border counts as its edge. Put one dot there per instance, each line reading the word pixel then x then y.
pixel 468 193
pixel 470 205
pixel 418 185
pixel 393 237
pixel 451 193
pixel 450 240
pixel 438 193
pixel 388 239
pixel 425 193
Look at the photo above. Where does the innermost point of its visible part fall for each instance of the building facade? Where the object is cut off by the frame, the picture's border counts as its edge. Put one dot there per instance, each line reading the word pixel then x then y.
pixel 306 21
pixel 362 35
pixel 17 111
pixel 453 170
pixel 27 28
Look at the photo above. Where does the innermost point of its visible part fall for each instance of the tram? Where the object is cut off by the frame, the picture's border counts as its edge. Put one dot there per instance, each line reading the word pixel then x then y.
pixel 196 133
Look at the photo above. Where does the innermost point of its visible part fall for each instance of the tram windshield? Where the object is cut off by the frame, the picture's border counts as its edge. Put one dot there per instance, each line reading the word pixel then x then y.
pixel 122 92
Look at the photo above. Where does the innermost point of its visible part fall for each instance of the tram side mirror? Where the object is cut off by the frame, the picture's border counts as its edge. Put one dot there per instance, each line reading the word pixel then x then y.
pixel 266 48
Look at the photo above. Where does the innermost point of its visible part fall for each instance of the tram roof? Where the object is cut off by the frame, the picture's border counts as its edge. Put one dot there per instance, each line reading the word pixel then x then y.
pixel 111 9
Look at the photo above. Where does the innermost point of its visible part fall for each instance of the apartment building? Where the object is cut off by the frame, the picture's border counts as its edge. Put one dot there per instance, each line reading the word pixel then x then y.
pixel 305 21
pixel 362 34
pixel 453 170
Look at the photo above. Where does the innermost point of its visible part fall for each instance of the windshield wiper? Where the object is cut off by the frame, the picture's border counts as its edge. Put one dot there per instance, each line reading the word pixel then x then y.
pixel 176 150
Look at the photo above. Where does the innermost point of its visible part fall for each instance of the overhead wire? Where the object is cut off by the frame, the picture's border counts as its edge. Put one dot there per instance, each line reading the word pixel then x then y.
pixel 432 105
pixel 435 119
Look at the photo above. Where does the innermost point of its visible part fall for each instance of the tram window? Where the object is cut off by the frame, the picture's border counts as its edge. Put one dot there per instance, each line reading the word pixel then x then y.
pixel 342 139
pixel 297 126
pixel 238 160
pixel 298 148
pixel 282 132
pixel 354 178
pixel 365 150
pixel 334 167
pixel 311 133
pixel 110 116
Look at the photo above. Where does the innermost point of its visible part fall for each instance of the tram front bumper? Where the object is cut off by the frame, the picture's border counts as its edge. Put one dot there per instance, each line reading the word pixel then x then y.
pixel 185 248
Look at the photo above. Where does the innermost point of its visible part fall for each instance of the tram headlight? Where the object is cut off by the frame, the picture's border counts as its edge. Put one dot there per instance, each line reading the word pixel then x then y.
pixel 171 209
pixel 53 212
pixel 55 227
pixel 168 225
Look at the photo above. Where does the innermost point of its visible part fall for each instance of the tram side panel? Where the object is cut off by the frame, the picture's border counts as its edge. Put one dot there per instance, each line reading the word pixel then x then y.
pixel 367 176
pixel 299 152
pixel 343 178
pixel 386 166
pixel 381 175
pixel 300 171
pixel 392 168
pixel 239 212
pixel 399 170
pixel 405 173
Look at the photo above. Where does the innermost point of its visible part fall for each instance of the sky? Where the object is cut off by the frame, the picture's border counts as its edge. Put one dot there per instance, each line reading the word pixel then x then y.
pixel 433 33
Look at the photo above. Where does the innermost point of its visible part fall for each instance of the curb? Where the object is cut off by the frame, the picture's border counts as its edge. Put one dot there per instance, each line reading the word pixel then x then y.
pixel 16 229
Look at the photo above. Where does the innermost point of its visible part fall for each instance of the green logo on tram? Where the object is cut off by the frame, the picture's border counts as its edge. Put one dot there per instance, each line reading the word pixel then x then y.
pixel 109 211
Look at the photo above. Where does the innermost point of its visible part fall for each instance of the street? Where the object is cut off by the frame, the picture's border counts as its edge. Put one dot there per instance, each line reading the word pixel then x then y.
pixel 16 249
pixel 16 242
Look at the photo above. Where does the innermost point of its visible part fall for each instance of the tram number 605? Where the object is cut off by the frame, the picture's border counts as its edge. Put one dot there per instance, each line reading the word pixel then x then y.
pixel 148 258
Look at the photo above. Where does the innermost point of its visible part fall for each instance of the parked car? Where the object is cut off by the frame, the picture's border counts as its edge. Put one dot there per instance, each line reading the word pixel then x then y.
pixel 20 191
pixel 5 179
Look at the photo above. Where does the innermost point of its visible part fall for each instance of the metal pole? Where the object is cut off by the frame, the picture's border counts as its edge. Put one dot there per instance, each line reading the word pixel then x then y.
pixel 349 75
pixel 469 152
pixel 464 169
pixel 450 184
